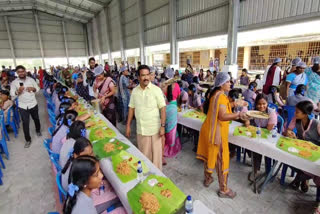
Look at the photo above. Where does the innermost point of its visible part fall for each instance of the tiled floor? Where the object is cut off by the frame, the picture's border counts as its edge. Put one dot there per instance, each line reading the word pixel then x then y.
pixel 29 186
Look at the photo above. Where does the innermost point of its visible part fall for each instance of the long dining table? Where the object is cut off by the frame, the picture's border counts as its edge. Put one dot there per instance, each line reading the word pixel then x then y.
pixel 119 187
pixel 266 147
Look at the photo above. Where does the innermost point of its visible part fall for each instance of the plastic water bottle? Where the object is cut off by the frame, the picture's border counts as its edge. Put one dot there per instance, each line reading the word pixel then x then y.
pixel 140 171
pixel 274 132
pixel 189 205
pixel 259 132
pixel 101 189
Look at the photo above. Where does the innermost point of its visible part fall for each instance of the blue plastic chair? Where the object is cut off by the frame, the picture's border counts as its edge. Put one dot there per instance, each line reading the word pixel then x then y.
pixel 288 114
pixel 51 130
pixel 280 124
pixel 54 159
pixel 3 126
pixel 62 193
pixel 250 106
pixel 10 121
pixel 46 144
pixel 2 162
pixel 273 106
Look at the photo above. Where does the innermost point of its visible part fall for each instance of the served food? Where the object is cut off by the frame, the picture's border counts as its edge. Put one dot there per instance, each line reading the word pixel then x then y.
pixel 305 154
pixel 109 147
pixel 258 114
pixel 90 124
pixel 160 184
pixel 166 193
pixel 99 133
pixel 123 168
pixel 149 203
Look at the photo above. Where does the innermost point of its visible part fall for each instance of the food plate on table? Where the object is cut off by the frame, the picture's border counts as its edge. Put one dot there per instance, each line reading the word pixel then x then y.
pixel 156 195
pixel 108 147
pixel 196 115
pixel 125 166
pixel 95 123
pixel 258 114
pixel 101 133
pixel 300 148
pixel 250 131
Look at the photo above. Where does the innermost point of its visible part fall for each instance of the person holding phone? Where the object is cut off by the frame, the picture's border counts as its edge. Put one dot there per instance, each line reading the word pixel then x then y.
pixel 24 89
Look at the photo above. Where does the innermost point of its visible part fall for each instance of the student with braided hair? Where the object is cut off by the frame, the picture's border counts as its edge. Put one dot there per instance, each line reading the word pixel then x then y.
pixel 85 175
pixel 61 132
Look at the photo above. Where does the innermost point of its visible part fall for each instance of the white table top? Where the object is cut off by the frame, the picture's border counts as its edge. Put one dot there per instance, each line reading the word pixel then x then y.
pixel 106 165
pixel 266 147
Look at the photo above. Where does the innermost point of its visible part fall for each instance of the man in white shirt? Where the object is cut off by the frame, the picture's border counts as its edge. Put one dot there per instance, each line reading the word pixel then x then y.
pixel 25 88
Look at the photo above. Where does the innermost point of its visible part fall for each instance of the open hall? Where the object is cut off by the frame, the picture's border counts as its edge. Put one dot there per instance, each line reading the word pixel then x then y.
pixel 160 106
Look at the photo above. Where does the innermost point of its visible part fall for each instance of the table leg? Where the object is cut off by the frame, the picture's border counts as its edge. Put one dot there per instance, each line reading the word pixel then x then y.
pixel 269 177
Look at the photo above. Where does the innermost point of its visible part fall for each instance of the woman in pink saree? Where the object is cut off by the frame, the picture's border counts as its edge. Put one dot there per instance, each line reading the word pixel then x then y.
pixel 105 87
pixel 172 143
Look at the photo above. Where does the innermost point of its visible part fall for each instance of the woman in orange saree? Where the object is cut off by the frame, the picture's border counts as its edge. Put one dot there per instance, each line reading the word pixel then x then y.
pixel 213 147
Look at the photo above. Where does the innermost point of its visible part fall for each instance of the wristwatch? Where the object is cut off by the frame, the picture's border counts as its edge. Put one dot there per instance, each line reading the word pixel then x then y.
pixel 163 125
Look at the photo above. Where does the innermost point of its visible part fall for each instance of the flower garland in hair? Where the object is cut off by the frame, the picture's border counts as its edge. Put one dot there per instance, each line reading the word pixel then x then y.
pixel 83 132
pixel 72 188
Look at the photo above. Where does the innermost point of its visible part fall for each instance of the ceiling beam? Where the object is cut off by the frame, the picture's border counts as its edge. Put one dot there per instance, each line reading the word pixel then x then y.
pixel 98 2
pixel 10 41
pixel 54 10
pixel 17 12
pixel 4 5
pixel 73 6
pixel 44 7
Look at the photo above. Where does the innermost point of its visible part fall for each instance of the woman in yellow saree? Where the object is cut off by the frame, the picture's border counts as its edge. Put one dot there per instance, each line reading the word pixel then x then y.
pixel 213 147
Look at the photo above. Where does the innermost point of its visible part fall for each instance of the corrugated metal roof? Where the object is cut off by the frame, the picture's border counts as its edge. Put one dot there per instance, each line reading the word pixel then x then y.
pixel 77 10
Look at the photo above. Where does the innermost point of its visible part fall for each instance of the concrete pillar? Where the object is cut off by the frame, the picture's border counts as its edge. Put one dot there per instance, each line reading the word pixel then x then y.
pixel 123 54
pixel 233 22
pixel 10 41
pixel 39 38
pixel 65 41
pixel 97 43
pixel 140 6
pixel 174 53
pixel 85 38
pixel 246 57
pixel 107 33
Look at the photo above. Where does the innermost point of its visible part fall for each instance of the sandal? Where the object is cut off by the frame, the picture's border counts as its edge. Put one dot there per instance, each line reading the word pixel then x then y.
pixel 304 186
pixel 229 194
pixel 208 181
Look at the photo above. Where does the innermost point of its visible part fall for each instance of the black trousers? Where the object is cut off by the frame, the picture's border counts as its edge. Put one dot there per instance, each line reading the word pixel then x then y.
pixel 25 117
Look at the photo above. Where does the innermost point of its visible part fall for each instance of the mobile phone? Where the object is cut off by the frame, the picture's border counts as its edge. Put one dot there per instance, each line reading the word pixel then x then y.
pixel 21 83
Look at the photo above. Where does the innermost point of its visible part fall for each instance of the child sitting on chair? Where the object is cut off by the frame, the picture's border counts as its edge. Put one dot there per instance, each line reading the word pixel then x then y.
pixel 6 103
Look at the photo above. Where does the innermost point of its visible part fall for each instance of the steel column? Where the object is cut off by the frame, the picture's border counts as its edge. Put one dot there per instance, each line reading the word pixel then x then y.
pixel 10 41
pixel 97 40
pixel 174 55
pixel 234 11
pixel 123 55
pixel 65 41
pixel 140 6
pixel 105 16
pixel 39 38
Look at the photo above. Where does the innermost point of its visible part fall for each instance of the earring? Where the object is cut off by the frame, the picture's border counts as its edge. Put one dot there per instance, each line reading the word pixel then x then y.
pixel 85 186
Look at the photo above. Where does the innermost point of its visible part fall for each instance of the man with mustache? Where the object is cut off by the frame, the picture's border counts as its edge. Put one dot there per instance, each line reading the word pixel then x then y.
pixel 147 103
